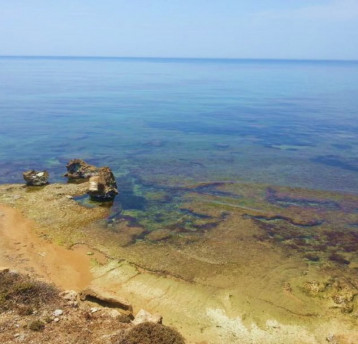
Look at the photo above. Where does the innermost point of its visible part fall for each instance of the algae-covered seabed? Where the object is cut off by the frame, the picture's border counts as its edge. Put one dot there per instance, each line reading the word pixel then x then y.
pixel 230 263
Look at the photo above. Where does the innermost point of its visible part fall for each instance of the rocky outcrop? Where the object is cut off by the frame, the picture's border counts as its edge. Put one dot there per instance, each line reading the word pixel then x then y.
pixel 36 178
pixel 105 299
pixel 79 169
pixel 103 187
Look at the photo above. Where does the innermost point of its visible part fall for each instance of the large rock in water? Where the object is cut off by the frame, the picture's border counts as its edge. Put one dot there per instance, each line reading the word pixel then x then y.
pixel 79 169
pixel 36 178
pixel 103 186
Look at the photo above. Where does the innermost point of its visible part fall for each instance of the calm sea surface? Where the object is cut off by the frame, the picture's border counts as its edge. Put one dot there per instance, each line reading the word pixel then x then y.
pixel 174 121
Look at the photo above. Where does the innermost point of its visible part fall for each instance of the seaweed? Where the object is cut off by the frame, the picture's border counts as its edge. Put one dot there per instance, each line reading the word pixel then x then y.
pixel 335 257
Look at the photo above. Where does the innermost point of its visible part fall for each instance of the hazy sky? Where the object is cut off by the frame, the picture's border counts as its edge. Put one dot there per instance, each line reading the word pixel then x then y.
pixel 318 29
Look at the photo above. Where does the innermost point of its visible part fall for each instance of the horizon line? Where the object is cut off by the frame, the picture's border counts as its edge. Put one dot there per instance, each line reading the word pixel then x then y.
pixel 179 58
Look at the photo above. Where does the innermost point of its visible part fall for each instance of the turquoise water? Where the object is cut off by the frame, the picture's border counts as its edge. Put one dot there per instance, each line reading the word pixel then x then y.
pixel 165 122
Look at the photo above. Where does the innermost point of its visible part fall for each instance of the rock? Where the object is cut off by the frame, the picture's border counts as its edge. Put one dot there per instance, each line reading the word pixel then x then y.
pixel 123 316
pixel 94 309
pixel 144 316
pixel 70 296
pixel 79 169
pixel 36 178
pixel 104 298
pixel 57 312
pixel 103 187
pixel 4 270
pixel 113 313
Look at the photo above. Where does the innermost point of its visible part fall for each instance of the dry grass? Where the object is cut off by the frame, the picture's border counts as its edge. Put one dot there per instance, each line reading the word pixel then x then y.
pixel 149 333
pixel 23 294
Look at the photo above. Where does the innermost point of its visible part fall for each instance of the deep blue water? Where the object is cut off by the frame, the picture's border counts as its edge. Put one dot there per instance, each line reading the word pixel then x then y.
pixel 170 121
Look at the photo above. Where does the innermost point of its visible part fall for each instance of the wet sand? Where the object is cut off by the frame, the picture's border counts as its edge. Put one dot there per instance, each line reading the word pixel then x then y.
pixel 23 250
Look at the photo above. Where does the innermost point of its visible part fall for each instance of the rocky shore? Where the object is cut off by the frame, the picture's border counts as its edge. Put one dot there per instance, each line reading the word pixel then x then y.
pixel 254 271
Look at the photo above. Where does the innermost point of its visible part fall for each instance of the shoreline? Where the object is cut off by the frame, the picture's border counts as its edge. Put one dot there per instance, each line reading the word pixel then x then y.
pixel 211 302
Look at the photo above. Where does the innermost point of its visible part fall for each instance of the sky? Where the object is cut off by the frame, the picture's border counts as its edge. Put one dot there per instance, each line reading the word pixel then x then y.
pixel 284 29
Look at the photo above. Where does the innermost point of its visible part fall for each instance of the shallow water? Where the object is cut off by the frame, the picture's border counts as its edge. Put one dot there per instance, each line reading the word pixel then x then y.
pixel 160 123
pixel 171 121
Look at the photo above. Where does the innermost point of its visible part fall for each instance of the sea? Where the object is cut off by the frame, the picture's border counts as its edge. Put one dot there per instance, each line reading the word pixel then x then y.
pixel 170 121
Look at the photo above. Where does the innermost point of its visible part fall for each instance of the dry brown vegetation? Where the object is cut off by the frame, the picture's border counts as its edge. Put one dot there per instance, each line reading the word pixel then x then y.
pixel 149 333
pixel 27 316
pixel 23 294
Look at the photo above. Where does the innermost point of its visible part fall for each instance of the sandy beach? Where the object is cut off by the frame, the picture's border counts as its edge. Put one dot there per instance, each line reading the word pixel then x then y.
pixel 23 250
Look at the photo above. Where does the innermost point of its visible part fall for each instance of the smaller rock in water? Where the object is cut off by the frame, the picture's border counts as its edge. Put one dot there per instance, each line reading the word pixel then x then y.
pixel 144 316
pixel 79 169
pixel 36 178
pixel 103 187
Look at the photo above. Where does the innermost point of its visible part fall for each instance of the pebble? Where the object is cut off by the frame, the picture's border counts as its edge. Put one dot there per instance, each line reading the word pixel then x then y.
pixel 56 319
pixel 58 312
pixel 94 310
pixel 144 316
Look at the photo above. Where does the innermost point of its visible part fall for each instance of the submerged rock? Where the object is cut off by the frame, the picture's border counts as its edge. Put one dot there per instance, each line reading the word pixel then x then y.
pixel 79 169
pixel 103 187
pixel 36 178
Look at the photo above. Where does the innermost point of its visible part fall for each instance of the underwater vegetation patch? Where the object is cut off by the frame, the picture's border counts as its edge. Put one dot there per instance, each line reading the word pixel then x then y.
pixel 350 164
pixel 314 242
pixel 277 218
pixel 275 197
